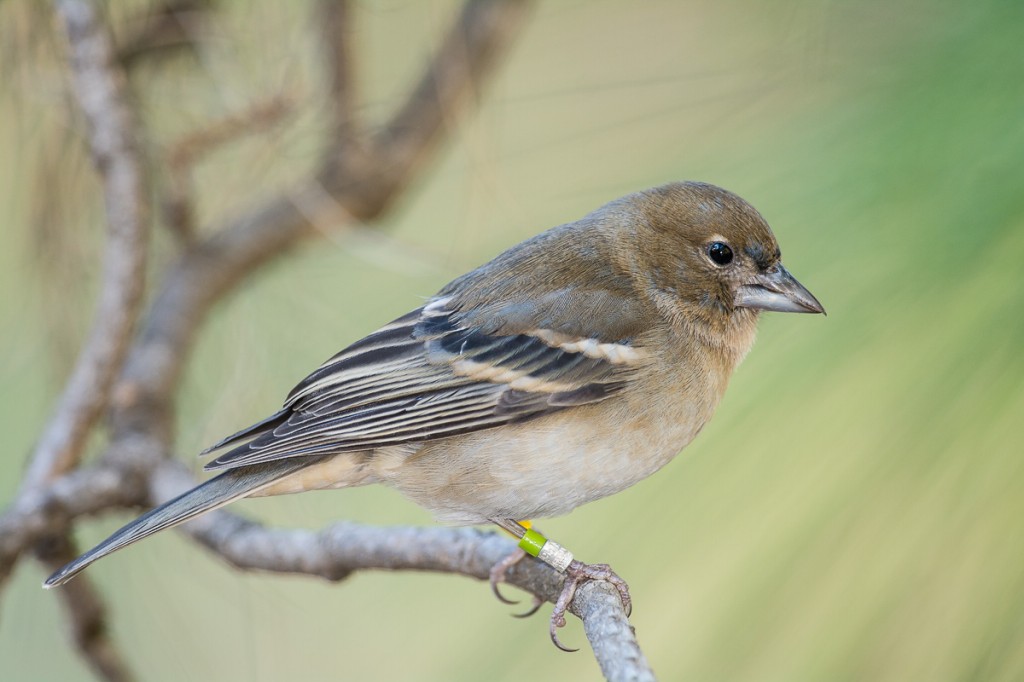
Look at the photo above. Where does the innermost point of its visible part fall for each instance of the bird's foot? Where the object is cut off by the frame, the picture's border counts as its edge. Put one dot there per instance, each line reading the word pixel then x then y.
pixel 498 573
pixel 575 575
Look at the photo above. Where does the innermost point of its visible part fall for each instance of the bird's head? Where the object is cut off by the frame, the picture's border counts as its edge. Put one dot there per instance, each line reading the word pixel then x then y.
pixel 706 255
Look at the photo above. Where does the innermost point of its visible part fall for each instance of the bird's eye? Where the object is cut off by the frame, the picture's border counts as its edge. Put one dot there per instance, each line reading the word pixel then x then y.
pixel 720 253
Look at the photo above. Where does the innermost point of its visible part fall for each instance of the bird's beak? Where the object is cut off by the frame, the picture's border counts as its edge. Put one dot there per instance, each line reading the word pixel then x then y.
pixel 779 291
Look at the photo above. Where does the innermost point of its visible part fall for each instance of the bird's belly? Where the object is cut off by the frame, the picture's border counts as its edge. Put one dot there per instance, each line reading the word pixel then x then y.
pixel 543 467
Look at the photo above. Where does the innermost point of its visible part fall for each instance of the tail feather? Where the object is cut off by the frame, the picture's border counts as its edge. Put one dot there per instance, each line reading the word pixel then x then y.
pixel 214 493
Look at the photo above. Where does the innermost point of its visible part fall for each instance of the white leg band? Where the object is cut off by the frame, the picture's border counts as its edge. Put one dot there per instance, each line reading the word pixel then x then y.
pixel 555 556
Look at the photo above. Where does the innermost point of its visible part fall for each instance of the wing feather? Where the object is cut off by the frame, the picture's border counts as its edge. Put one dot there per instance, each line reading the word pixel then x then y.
pixel 428 375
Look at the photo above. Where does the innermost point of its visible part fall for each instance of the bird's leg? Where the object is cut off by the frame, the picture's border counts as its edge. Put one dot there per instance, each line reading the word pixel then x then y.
pixel 500 569
pixel 559 558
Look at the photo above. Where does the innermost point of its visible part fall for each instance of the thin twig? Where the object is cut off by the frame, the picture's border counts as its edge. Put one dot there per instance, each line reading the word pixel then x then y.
pixel 86 614
pixel 189 150
pixel 162 30
pixel 455 75
pixel 401 147
pixel 335 18
pixel 114 139
pixel 186 153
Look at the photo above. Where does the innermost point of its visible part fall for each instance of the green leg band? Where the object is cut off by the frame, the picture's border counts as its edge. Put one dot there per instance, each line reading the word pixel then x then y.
pixel 532 542
pixel 548 551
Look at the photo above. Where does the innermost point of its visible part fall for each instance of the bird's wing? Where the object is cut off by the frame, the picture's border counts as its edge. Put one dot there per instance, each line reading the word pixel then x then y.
pixel 433 374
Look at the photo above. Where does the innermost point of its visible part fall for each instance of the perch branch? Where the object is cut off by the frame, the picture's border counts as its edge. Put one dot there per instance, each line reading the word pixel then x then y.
pixel 611 637
pixel 338 550
pixel 331 553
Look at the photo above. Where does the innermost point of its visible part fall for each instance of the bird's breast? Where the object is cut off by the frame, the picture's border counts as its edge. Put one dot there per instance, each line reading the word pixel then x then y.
pixel 550 465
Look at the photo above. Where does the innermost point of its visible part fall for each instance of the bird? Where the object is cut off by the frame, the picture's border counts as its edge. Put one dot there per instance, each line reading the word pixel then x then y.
pixel 565 370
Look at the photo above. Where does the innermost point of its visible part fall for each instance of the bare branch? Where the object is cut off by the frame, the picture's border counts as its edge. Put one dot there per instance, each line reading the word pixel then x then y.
pixel 335 18
pixel 86 614
pixel 164 29
pixel 611 636
pixel 398 151
pixel 332 553
pixel 338 550
pixel 101 90
pixel 468 53
pixel 207 272
pixel 190 150
pixel 113 136
pixel 44 512
pixel 360 178
pixel 200 277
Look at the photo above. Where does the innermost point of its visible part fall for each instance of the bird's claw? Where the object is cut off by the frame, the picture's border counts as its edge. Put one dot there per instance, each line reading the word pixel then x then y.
pixel 497 577
pixel 575 575
pixel 537 602
pixel 499 571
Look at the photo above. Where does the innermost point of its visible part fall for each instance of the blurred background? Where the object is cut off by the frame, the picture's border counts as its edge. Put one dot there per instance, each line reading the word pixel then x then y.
pixel 855 511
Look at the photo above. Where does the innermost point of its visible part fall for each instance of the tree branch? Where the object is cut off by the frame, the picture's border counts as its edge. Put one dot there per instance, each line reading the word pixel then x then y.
pixel 341 191
pixel 185 154
pixel 340 549
pixel 336 23
pixel 332 553
pixel 47 511
pixel 101 90
pixel 86 614
pixel 114 139
pixel 163 29
pixel 610 635
pixel 399 150
pixel 359 179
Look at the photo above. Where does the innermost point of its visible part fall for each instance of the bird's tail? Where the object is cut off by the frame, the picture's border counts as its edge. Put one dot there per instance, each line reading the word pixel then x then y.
pixel 217 492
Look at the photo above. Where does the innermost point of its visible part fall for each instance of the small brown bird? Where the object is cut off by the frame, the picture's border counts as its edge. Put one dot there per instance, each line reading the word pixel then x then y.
pixel 567 369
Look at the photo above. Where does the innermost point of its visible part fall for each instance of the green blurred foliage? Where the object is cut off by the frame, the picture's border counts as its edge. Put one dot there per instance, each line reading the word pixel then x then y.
pixel 854 512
